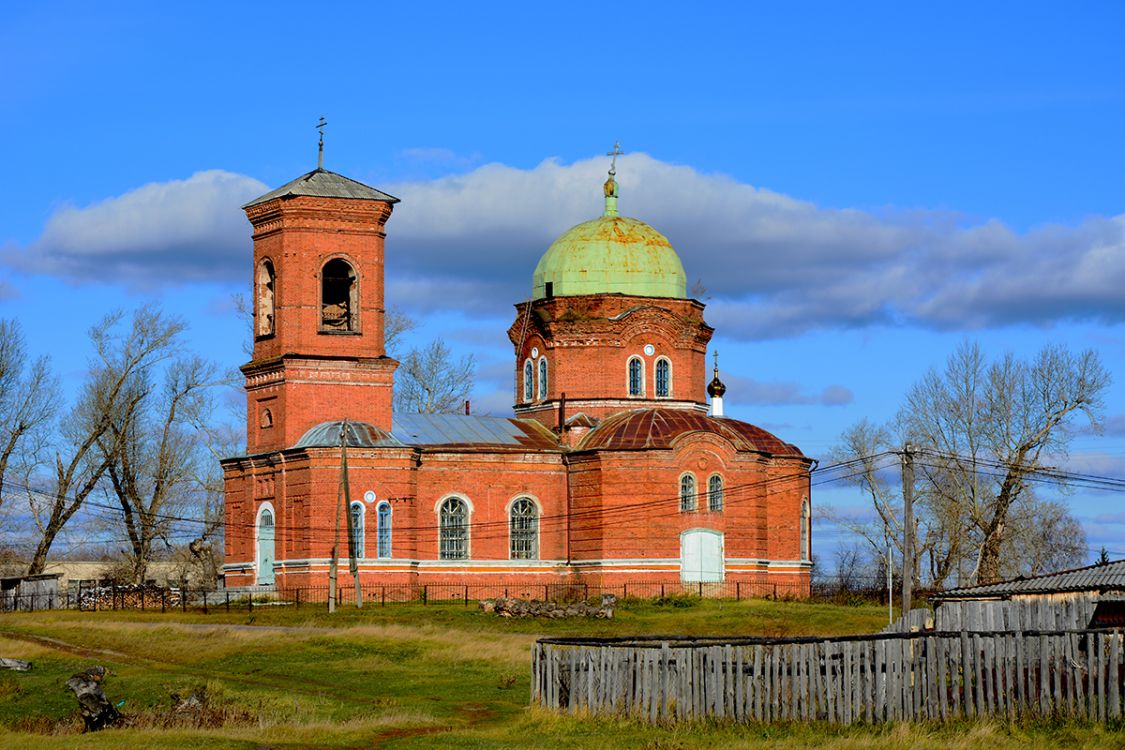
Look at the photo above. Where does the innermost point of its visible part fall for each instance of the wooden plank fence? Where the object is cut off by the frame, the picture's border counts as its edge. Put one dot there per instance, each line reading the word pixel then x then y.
pixel 1061 612
pixel 891 677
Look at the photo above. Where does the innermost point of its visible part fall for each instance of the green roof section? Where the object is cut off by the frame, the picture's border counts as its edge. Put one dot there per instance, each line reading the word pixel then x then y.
pixel 610 255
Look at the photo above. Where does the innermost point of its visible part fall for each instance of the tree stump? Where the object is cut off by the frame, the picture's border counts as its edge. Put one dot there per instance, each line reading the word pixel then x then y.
pixel 97 711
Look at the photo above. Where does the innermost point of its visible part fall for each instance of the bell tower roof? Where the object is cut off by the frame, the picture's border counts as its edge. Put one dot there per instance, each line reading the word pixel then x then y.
pixel 320 183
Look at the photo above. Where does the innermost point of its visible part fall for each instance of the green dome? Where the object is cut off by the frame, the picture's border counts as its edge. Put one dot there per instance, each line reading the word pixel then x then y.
pixel 611 254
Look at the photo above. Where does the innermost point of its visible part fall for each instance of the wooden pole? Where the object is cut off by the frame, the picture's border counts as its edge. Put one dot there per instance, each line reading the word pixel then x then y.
pixel 353 541
pixel 334 562
pixel 907 527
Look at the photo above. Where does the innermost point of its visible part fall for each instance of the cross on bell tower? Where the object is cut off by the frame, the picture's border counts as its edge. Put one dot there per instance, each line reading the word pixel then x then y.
pixel 320 146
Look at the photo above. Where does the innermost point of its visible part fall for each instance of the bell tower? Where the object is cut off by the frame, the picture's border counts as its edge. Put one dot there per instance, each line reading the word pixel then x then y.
pixel 318 309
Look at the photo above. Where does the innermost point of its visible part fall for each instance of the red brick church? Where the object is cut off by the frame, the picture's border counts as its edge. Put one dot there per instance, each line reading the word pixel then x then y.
pixel 615 467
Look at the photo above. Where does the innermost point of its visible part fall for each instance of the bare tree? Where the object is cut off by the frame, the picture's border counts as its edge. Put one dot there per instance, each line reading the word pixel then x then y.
pixel 156 460
pixel 1042 538
pixel 864 447
pixel 114 386
pixel 27 397
pixel 982 431
pixel 985 428
pixel 396 325
pixel 432 381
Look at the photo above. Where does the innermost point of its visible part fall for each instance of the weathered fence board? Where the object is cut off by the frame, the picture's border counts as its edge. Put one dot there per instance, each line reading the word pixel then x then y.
pixel 929 675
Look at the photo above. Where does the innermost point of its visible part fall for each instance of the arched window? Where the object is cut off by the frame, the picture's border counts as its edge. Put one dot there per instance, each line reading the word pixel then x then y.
pixel 715 493
pixel 265 546
pixel 663 378
pixel 383 519
pixel 542 378
pixel 523 530
pixel 805 518
pixel 687 492
pixel 339 303
pixel 636 377
pixel 356 542
pixel 528 380
pixel 267 419
pixel 265 298
pixel 454 523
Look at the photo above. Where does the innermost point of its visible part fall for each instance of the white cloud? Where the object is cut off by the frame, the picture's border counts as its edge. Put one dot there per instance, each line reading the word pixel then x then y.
pixel 773 265
pixel 158 234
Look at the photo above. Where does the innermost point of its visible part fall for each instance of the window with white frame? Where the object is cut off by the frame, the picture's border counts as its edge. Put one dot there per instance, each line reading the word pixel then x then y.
pixel 663 378
pixel 523 530
pixel 383 521
pixel 687 492
pixel 528 380
pixel 454 529
pixel 357 529
pixel 715 493
pixel 636 377
pixel 542 378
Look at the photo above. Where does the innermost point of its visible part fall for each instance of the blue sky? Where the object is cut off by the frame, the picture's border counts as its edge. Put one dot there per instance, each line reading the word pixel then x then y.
pixel 859 189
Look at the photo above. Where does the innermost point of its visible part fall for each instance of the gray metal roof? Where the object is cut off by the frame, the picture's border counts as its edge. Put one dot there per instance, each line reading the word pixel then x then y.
pixel 321 183
pixel 360 435
pixel 431 430
pixel 466 430
pixel 1110 576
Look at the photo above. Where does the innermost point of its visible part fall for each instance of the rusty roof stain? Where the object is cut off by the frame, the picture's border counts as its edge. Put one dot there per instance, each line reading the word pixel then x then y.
pixel 654 429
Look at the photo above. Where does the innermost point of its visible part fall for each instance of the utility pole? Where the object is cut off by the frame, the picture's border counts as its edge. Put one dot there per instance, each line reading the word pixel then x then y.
pixel 890 582
pixel 907 527
pixel 334 563
pixel 353 537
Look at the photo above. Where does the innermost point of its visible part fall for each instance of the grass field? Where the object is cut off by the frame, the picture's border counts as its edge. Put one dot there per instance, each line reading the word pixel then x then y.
pixel 405 677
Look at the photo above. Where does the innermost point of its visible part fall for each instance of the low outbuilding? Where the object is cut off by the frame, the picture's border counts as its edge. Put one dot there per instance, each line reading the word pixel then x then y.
pixel 1089 597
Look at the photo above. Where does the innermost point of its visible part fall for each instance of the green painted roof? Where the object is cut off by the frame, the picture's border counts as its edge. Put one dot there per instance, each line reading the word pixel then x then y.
pixel 611 254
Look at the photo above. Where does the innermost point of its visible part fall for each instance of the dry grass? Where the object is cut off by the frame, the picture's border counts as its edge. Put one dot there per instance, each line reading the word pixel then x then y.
pixel 437 678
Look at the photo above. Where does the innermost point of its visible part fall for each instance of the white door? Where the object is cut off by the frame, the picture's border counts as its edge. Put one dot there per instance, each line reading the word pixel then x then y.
pixel 701 556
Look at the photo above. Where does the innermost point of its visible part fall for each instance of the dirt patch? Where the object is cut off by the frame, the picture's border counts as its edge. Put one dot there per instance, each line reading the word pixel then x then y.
pixel 470 714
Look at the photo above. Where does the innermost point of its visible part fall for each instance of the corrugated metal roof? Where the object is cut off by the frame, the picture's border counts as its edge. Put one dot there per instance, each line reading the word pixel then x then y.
pixel 468 430
pixel 1110 576
pixel 321 183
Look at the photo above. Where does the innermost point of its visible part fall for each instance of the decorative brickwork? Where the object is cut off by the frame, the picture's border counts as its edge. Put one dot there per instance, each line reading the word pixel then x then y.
pixel 598 478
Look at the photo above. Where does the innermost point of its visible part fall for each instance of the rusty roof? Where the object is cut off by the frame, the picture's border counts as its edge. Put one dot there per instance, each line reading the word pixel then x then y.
pixel 320 183
pixel 1109 576
pixel 654 429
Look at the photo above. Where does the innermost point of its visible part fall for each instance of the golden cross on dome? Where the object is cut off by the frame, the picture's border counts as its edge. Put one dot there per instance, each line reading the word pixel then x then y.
pixel 320 148
pixel 616 152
